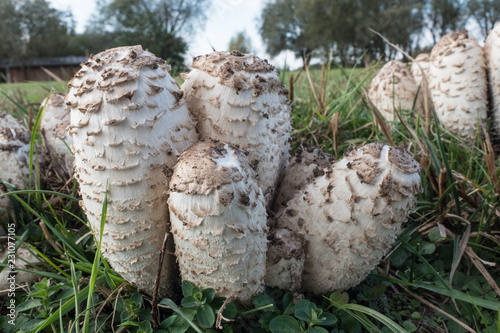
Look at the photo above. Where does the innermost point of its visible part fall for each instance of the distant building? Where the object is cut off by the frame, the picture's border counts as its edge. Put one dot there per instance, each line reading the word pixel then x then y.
pixel 40 69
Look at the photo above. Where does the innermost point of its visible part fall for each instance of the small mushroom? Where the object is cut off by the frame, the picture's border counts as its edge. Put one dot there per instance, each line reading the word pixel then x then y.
pixel 307 164
pixel 285 259
pixel 129 125
pixel 21 259
pixel 54 129
pixel 219 220
pixel 14 159
pixel 239 98
pixel 457 82
pixel 394 88
pixel 350 217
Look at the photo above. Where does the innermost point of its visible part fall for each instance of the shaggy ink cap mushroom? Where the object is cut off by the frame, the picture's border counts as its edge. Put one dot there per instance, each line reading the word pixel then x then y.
pixel 219 220
pixel 239 98
pixel 350 217
pixel 457 82
pixel 129 124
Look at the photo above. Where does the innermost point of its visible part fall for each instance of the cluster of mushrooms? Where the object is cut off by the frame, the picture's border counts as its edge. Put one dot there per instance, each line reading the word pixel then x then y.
pixel 460 75
pixel 207 167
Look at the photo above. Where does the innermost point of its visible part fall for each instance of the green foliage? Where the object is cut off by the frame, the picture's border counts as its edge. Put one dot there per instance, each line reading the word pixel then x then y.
pixel 32 28
pixel 241 42
pixel 157 25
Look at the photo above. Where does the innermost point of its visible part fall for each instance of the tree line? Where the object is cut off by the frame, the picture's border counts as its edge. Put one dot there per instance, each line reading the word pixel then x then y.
pixel 346 26
pixel 33 29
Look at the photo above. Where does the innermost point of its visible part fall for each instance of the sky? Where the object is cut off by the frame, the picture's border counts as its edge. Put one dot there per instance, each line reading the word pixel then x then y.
pixel 224 20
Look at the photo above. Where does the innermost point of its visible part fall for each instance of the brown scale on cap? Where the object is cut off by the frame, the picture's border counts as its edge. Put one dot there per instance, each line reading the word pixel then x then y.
pixel 350 219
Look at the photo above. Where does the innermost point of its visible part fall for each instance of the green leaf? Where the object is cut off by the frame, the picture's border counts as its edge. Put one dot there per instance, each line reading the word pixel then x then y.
pixel 187 288
pixel 262 300
pixel 284 324
pixel 209 294
pixel 129 323
pixel 339 297
pixel 205 315
pixel 427 248
pixel 136 298
pixel 288 306
pixel 190 302
pixel 230 311
pixel 30 304
pixel 168 321
pixel 326 319
pixel 409 327
pixel 316 329
pixel 305 310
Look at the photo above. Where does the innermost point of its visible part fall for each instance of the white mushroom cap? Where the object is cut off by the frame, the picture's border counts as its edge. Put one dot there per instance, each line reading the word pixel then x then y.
pixel 219 220
pixel 129 124
pixel 492 53
pixel 350 218
pixel 307 164
pixel 53 126
pixel 285 259
pixel 14 151
pixel 457 82
pixel 394 88
pixel 22 257
pixel 424 60
pixel 239 98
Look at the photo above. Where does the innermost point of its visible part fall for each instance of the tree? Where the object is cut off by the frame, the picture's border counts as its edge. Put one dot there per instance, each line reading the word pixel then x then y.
pixel 444 16
pixel 485 13
pixel 31 28
pixel 342 25
pixel 241 42
pixel 158 25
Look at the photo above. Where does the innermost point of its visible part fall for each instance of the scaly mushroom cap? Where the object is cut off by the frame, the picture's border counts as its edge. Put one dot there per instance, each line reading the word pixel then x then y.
pixel 492 55
pixel 129 123
pixel 307 164
pixel 285 259
pixel 457 81
pixel 394 88
pixel 22 258
pixel 219 220
pixel 350 217
pixel 239 98
pixel 424 60
pixel 14 159
pixel 53 126
pixel 14 151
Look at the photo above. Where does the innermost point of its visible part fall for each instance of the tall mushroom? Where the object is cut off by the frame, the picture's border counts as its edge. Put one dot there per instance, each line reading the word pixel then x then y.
pixel 219 220
pixel 53 126
pixel 492 52
pixel 129 125
pixel 350 217
pixel 457 81
pixel 239 98
pixel 394 88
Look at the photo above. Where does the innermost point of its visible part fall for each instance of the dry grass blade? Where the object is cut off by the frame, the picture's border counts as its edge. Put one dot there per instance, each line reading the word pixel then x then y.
pixel 290 91
pixel 437 309
pixel 48 237
pixel 322 86
pixel 52 75
pixel 424 80
pixel 309 78
pixel 480 267
pixel 445 232
pixel 442 181
pixel 334 124
pixel 379 120
pixel 489 156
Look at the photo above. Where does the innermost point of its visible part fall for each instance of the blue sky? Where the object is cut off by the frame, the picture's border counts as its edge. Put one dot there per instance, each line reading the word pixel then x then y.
pixel 225 19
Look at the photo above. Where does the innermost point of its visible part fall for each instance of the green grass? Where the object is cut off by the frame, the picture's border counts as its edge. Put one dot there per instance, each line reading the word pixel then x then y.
pixel 79 292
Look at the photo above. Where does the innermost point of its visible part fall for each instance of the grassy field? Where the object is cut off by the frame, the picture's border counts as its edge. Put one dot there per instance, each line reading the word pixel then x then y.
pixel 441 276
